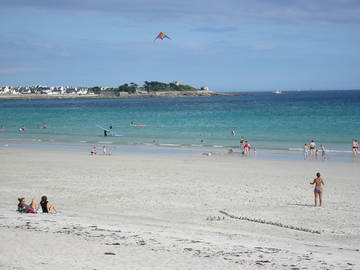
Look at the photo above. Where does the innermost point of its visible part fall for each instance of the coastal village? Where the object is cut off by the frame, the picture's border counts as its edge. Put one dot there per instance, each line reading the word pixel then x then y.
pixel 174 88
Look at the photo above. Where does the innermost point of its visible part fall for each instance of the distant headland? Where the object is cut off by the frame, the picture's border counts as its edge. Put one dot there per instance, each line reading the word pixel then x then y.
pixel 148 89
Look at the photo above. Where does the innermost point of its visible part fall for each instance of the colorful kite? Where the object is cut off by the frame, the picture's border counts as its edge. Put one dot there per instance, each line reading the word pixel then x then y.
pixel 161 36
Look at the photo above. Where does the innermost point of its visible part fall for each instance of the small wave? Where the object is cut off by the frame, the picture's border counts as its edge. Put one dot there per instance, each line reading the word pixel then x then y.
pixel 218 146
pixel 327 150
pixel 197 145
pixel 104 142
pixel 169 144
pixel 295 149
pixel 338 151
pixel 83 141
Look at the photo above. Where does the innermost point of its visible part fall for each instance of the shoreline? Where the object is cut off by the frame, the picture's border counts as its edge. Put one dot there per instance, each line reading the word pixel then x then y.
pixel 178 149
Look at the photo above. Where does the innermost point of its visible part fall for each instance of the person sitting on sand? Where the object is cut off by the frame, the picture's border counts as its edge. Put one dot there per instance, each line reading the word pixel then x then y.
pixel 25 208
pixel 93 151
pixel 318 191
pixel 46 206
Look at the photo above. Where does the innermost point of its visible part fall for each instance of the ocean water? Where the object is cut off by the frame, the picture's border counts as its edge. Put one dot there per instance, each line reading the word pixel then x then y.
pixel 269 122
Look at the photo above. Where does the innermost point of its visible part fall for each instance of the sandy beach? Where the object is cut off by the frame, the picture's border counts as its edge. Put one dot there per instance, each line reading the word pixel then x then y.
pixel 168 211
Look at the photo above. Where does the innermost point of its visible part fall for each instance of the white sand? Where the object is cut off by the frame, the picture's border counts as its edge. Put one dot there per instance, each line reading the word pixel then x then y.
pixel 161 212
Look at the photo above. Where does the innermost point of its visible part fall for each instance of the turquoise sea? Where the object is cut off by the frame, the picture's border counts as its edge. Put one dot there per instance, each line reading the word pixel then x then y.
pixel 268 121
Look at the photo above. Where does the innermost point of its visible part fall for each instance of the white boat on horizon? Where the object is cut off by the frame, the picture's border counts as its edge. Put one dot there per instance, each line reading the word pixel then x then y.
pixel 277 92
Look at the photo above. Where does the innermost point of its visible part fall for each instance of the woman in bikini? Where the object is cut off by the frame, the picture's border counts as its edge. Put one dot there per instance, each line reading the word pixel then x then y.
pixel 46 206
pixel 318 191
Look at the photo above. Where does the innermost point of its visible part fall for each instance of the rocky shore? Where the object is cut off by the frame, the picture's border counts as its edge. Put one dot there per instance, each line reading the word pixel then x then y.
pixel 121 95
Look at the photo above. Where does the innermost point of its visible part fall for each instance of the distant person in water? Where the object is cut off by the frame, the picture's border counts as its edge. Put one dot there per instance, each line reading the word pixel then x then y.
pixel 318 190
pixel 2 128
pixel 25 208
pixel 355 147
pixel 233 132
pixel 22 128
pixel 46 206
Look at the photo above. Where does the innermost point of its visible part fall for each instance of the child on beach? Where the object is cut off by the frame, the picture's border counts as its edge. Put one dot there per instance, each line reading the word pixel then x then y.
pixel 318 191
pixel 306 151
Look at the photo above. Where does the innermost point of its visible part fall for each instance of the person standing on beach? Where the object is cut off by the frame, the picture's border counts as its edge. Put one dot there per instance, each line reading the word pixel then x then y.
pixel 242 145
pixel 323 153
pixel 312 146
pixel 247 148
pixel 306 151
pixel 355 147
pixel 318 190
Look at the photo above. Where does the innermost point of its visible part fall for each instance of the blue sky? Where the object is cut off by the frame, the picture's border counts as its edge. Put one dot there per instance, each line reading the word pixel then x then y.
pixel 229 45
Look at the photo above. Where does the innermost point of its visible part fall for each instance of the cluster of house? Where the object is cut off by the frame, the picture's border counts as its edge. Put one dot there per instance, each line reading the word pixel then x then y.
pixel 48 90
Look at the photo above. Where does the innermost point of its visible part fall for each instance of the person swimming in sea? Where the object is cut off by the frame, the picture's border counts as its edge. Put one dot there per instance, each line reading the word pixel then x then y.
pixel 318 190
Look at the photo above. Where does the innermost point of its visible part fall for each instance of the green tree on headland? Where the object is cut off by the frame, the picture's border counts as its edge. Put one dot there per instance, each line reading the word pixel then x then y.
pixel 154 86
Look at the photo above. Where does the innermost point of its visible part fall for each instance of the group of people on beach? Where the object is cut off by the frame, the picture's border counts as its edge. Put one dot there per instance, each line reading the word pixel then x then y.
pixel 33 207
pixel 105 152
pixel 311 151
